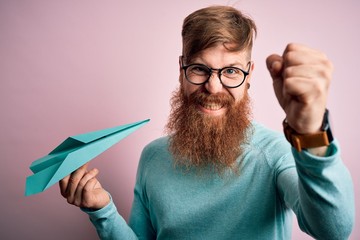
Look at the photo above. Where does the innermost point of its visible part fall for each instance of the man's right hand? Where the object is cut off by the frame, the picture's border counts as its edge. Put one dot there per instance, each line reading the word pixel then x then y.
pixel 82 189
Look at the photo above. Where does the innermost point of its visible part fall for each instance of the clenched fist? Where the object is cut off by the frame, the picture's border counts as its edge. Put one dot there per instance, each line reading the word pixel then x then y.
pixel 301 79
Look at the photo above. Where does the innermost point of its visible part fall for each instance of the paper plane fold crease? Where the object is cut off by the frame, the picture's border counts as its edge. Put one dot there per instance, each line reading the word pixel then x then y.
pixel 72 153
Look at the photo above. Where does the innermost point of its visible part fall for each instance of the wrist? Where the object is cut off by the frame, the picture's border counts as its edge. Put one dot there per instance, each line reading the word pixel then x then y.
pixel 316 141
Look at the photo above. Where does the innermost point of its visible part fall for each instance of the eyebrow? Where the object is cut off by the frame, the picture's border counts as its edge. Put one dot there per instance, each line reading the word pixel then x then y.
pixel 236 64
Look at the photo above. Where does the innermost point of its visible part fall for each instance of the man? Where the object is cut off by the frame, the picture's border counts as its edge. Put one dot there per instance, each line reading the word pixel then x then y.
pixel 219 175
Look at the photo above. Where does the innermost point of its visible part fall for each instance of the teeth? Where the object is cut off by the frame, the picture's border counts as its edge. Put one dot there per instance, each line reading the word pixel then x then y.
pixel 212 106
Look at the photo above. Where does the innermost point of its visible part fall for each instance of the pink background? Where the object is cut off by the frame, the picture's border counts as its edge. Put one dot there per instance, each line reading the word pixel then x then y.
pixel 68 67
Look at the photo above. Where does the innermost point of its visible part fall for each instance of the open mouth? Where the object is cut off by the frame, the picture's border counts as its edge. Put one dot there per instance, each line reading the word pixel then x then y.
pixel 215 104
pixel 212 109
pixel 212 106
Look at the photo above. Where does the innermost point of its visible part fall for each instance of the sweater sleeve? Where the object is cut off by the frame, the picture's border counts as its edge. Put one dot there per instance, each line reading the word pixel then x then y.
pixel 320 192
pixel 109 224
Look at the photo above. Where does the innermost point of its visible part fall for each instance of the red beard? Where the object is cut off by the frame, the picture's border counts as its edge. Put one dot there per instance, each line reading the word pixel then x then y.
pixel 202 141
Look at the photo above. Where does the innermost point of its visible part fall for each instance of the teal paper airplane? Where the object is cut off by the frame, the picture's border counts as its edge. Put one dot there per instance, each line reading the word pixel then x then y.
pixel 74 152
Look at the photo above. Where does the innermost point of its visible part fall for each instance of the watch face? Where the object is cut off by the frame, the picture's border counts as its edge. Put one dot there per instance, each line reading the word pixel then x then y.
pixel 326 126
pixel 325 123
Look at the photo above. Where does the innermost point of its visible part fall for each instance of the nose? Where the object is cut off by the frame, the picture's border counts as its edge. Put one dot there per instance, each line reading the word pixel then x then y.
pixel 214 85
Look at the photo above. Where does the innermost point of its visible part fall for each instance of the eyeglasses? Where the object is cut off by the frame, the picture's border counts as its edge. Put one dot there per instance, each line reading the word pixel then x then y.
pixel 230 77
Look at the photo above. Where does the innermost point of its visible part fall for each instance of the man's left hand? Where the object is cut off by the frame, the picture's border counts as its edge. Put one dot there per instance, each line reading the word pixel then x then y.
pixel 301 79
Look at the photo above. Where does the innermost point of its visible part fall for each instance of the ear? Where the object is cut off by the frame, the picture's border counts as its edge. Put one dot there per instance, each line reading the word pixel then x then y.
pixel 180 63
pixel 252 66
pixel 181 72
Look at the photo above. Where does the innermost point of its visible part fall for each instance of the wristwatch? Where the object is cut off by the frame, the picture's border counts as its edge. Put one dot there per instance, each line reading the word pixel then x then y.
pixel 302 141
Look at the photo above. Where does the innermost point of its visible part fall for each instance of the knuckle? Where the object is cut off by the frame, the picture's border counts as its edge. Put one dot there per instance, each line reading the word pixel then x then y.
pixel 70 200
pixel 90 186
pixel 292 47
pixel 289 56
pixel 323 56
pixel 87 188
pixel 287 72
pixel 329 65
pixel 63 193
pixel 77 203
pixel 288 85
pixel 317 87
pixel 326 74
pixel 82 183
pixel 74 180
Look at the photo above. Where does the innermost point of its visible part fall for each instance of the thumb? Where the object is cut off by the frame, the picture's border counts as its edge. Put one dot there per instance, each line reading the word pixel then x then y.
pixel 274 64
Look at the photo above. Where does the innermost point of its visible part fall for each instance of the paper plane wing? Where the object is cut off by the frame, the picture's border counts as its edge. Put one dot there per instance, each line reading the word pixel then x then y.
pixel 71 154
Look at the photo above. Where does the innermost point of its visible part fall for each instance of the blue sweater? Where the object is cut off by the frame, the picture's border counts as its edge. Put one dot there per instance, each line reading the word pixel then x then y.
pixel 171 203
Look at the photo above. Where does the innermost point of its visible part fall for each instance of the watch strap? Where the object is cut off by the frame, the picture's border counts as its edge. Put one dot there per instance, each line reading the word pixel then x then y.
pixel 313 140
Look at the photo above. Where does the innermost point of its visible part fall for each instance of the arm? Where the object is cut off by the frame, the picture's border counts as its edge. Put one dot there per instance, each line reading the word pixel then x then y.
pixel 109 224
pixel 322 194
pixel 301 79
pixel 83 190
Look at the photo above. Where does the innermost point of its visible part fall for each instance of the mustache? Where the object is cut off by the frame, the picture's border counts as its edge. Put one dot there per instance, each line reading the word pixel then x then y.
pixel 198 141
pixel 203 98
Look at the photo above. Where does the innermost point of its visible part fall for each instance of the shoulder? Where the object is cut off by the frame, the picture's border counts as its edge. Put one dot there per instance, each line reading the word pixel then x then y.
pixel 264 136
pixel 156 146
pixel 269 144
pixel 154 152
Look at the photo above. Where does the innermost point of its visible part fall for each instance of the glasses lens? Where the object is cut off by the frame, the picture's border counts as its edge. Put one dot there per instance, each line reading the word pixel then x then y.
pixel 197 74
pixel 232 76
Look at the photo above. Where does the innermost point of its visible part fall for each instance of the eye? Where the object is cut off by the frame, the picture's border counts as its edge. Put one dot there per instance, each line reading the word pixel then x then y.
pixel 198 70
pixel 230 71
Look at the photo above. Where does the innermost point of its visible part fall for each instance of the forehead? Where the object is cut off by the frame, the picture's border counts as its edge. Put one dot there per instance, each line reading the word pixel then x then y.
pixel 219 56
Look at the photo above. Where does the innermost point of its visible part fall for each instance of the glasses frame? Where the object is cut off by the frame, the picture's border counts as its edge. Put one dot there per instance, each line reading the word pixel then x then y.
pixel 213 70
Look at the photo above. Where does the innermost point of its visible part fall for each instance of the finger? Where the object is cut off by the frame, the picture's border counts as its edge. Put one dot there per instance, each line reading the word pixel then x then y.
pixel 73 182
pixel 308 71
pixel 291 47
pixel 274 65
pixel 303 90
pixel 89 200
pixel 92 184
pixel 296 86
pixel 299 54
pixel 63 183
pixel 306 58
pixel 78 196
